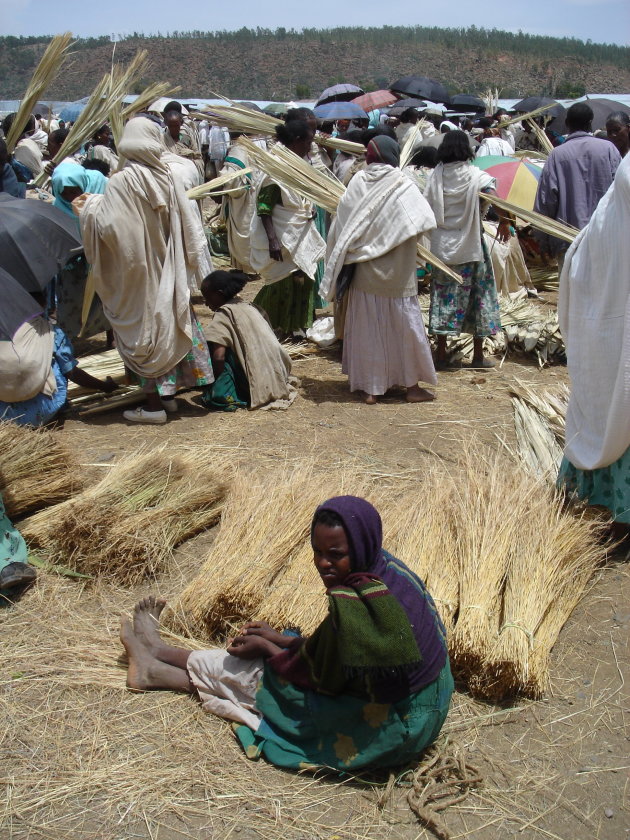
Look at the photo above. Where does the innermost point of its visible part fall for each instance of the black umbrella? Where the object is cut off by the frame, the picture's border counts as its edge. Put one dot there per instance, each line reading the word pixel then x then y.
pixel 36 240
pixel 421 87
pixel 251 105
pixel 340 93
pixel 17 306
pixel 532 103
pixel 398 107
pixel 467 100
pixel 602 108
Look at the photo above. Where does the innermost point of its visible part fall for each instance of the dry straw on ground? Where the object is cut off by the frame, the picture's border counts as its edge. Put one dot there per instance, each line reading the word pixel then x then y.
pixel 36 469
pixel 127 525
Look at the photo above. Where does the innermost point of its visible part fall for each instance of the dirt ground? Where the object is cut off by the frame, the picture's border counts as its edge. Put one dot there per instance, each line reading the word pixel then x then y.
pixel 83 759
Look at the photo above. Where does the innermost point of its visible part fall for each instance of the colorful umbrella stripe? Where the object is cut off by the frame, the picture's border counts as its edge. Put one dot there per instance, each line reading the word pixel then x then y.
pixel 517 179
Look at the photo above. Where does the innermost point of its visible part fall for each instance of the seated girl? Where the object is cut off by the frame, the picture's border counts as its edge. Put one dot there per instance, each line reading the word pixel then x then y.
pixel 251 368
pixel 35 366
pixel 370 688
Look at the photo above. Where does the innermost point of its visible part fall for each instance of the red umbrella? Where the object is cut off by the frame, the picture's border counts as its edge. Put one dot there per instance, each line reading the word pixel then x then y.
pixel 375 99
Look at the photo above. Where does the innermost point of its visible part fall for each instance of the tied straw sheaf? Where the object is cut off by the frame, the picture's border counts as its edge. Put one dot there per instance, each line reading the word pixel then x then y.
pixel 46 72
pixel 104 98
pixel 119 116
pixel 287 168
pixel 553 227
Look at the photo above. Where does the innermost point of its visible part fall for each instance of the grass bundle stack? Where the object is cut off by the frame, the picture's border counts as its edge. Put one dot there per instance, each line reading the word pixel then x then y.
pixel 127 525
pixel 266 521
pixel 36 469
pixel 557 555
pixel 45 73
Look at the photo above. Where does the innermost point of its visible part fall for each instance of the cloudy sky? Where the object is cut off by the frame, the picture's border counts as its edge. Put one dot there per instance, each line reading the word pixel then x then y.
pixel 600 20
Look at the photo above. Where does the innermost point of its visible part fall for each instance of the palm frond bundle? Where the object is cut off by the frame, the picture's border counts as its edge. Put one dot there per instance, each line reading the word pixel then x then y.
pixel 537 446
pixel 407 149
pixel 36 469
pixel 491 100
pixel 152 92
pixel 552 227
pixel 104 98
pixel 45 73
pixel 214 186
pixel 529 115
pixel 339 144
pixel 542 138
pixel 127 525
pixel 545 278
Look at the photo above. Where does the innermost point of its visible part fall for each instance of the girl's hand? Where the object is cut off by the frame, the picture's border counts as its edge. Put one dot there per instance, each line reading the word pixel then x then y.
pixel 251 647
pixel 503 231
pixel 265 631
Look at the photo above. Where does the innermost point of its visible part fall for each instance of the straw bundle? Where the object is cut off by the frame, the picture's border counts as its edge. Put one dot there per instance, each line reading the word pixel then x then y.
pixel 529 115
pixel 558 554
pixel 537 220
pixel 45 73
pixel 537 446
pixel 212 187
pixel 542 138
pixel 266 521
pixel 152 92
pixel 104 99
pixel 128 523
pixel 36 469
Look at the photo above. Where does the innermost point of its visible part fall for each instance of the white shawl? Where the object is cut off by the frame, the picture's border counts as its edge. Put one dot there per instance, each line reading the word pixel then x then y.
pixel 381 209
pixel 26 362
pixel 302 246
pixel 452 193
pixel 594 313
pixel 143 245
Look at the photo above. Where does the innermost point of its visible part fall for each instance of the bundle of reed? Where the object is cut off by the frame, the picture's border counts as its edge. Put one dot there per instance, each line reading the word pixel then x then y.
pixel 157 90
pixel 537 445
pixel 537 220
pixel 550 404
pixel 493 502
pixel 214 186
pixel 529 115
pixel 95 402
pixel 127 525
pixel 100 365
pixel 339 144
pixel 407 150
pixel 542 138
pixel 36 469
pixel 45 73
pixel 491 100
pixel 103 100
pixel 545 278
pixel 558 553
pixel 266 521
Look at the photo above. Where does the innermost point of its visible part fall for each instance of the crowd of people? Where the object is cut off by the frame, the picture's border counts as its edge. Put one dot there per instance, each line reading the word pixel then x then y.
pixel 341 698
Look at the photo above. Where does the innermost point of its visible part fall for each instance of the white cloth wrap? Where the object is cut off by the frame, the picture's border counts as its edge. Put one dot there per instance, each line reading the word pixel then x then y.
pixel 26 362
pixel 452 193
pixel 227 685
pixel 594 314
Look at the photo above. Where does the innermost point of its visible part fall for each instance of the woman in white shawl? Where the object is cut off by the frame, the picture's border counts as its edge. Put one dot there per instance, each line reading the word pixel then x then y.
pixel 239 205
pixel 470 306
pixel 142 241
pixel 285 244
pixel 371 257
pixel 594 312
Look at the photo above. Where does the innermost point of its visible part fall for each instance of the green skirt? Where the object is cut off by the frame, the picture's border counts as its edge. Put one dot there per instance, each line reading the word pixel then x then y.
pixel 289 303
pixel 320 224
pixel 231 390
pixel 302 729
pixel 607 486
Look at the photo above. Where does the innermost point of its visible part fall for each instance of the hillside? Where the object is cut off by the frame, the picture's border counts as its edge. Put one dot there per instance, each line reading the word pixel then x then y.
pixel 260 64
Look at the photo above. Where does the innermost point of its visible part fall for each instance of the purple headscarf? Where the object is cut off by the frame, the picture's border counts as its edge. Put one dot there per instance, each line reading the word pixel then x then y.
pixel 363 527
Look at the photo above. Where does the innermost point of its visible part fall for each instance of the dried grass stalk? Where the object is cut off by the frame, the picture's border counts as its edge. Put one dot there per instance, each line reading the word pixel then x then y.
pixel 45 73
pixel 266 521
pixel 127 525
pixel 204 190
pixel 36 469
pixel 542 138
pixel 537 220
pixel 558 553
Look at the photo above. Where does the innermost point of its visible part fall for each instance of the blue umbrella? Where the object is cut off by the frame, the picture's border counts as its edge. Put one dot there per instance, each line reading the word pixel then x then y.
pixel 70 112
pixel 340 111
pixel 339 93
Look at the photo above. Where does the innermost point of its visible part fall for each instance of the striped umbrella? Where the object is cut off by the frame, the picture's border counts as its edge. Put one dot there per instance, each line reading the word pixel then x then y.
pixel 517 178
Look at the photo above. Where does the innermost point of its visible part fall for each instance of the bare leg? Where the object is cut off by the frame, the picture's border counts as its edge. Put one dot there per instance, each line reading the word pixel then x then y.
pixel 146 621
pixel 416 394
pixel 145 671
pixel 478 359
pixel 440 355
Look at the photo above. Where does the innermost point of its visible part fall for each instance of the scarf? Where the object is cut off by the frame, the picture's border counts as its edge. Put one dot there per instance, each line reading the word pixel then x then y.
pixel 385 149
pixel 74 175
pixel 382 637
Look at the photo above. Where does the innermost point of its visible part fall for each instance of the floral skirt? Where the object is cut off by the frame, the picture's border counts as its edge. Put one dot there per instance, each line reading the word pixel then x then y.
pixel 472 307
pixel 607 486
pixel 194 370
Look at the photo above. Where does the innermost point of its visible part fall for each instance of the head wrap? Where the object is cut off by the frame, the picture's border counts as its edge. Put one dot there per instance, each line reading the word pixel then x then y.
pixel 385 149
pixel 142 143
pixel 74 175
pixel 363 527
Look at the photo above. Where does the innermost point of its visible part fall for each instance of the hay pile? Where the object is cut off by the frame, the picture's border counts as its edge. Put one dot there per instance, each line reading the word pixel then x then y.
pixel 127 525
pixel 505 562
pixel 36 469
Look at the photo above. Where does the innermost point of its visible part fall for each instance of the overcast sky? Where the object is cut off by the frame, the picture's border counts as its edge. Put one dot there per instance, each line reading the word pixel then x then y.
pixel 600 20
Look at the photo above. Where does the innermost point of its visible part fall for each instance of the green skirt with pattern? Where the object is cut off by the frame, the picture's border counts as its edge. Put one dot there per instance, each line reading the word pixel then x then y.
pixel 608 486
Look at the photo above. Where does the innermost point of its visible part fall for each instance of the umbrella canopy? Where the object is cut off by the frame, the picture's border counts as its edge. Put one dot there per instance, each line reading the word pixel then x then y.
pixel 531 103
pixel 422 87
pixel 17 306
pixel 466 100
pixel 402 105
pixel 36 241
pixel 601 109
pixel 339 93
pixel 375 99
pixel 517 179
pixel 276 109
pixel 70 112
pixel 160 104
pixel 340 111
pixel 251 105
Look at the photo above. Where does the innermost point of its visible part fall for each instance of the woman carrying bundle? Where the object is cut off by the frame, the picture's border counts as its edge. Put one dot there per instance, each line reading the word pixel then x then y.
pixel 594 313
pixel 371 261
pixel 370 688
pixel 470 306
pixel 144 245
pixel 285 244
pixel 251 368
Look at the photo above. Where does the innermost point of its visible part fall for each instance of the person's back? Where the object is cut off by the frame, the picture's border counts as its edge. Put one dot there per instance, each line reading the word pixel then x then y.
pixel 578 173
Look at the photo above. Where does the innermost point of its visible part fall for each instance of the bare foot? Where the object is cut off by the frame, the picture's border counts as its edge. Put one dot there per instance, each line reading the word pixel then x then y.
pixel 416 394
pixel 146 622
pixel 370 399
pixel 139 658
